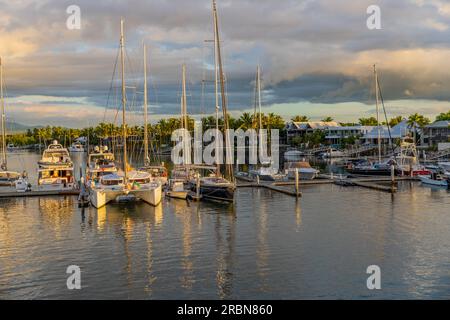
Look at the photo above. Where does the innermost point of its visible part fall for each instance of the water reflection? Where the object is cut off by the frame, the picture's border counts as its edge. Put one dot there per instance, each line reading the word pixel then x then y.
pixel 225 243
pixel 266 245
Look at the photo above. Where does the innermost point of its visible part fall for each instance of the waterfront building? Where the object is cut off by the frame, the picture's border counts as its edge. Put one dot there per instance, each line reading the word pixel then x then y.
pixel 435 133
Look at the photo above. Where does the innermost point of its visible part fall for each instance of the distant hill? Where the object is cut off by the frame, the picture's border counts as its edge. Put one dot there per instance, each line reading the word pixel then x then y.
pixel 14 127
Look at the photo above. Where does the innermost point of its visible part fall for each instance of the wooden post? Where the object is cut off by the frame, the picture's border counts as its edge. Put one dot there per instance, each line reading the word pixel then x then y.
pixel 296 182
pixel 392 176
pixel 257 179
pixel 198 186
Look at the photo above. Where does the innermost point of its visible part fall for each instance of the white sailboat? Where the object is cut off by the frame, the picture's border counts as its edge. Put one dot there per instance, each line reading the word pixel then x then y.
pixel 127 185
pixel 158 173
pixel 181 174
pixel 7 177
pixel 217 187
pixel 266 171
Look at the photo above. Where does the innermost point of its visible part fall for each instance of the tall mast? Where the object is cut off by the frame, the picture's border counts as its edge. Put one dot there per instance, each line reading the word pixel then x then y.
pixel 258 83
pixel 216 78
pixel 378 111
pixel 124 100
pixel 228 166
pixel 184 120
pixel 4 162
pixel 258 76
pixel 146 158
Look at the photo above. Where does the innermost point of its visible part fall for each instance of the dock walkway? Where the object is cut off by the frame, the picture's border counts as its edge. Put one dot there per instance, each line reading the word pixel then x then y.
pixel 5 193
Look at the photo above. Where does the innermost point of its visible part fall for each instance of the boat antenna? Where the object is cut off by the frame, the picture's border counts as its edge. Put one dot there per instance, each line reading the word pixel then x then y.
pixel 124 100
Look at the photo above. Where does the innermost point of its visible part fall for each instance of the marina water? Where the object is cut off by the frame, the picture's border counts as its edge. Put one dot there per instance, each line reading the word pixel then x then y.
pixel 265 246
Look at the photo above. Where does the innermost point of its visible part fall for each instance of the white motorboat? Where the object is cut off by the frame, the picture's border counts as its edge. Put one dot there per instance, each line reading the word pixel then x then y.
pixel 56 170
pixel 177 190
pixel 306 172
pixel 293 155
pixel 435 180
pixel 266 173
pixel 76 147
pixel 22 185
pixel 100 163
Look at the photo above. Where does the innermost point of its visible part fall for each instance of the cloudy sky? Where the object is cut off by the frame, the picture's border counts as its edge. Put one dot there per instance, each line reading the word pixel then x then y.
pixel 316 56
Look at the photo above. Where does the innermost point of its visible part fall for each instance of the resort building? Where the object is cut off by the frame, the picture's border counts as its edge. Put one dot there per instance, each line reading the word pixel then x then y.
pixel 399 131
pixel 335 135
pixel 435 133
pixel 299 129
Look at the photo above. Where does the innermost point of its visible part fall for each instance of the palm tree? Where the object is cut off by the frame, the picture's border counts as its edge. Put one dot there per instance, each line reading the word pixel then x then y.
pixel 300 119
pixel 328 119
pixel 443 117
pixel 416 121
pixel 372 121
pixel 245 121
pixel 395 121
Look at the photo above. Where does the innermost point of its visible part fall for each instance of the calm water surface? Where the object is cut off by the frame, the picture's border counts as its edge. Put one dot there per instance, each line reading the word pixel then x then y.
pixel 266 246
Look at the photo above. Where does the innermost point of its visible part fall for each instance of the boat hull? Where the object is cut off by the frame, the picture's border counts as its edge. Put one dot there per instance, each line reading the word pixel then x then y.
pixel 303 175
pixel 432 182
pixel 217 193
pixel 101 197
pixel 177 194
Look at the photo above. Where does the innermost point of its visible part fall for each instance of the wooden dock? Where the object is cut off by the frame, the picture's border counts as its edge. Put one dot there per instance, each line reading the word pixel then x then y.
pixel 369 182
pixel 37 193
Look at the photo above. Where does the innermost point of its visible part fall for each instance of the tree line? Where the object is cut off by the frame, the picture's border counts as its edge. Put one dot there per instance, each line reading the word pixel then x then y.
pixel 160 132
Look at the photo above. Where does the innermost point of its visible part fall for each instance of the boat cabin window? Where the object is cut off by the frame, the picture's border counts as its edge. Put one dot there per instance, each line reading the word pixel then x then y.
pixel 141 181
pixel 111 182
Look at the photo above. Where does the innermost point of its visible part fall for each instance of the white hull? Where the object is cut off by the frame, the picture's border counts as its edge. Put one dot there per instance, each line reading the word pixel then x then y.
pixel 303 174
pixel 101 197
pixel 56 187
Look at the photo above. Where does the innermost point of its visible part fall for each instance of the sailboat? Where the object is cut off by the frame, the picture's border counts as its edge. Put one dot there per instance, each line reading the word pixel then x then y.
pixel 216 187
pixel 158 173
pixel 127 185
pixel 375 168
pixel 266 171
pixel 183 173
pixel 7 178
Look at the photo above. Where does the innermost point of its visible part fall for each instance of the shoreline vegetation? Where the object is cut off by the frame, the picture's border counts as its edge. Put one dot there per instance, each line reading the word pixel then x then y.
pixel 160 132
